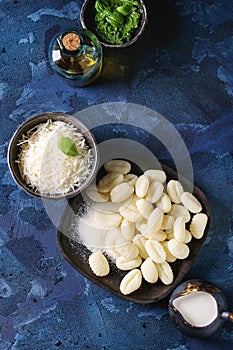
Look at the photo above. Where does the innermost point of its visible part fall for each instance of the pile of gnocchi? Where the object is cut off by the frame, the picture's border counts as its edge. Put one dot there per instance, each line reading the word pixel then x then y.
pixel 147 224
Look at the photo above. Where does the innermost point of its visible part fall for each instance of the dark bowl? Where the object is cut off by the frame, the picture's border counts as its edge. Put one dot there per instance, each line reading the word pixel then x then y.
pixel 87 20
pixel 77 254
pixel 13 151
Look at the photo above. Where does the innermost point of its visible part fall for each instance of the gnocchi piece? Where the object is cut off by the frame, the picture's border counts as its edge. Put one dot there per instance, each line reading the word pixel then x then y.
pixel 127 229
pixel 191 203
pixel 141 186
pixel 114 239
pixel 109 207
pixel 121 192
pixel 140 242
pixel 169 257
pixel 96 196
pixel 141 225
pixel 155 251
pixel 198 225
pixel 129 250
pixel 99 264
pixel 103 220
pixel 128 264
pixel 168 222
pixel 131 282
pixel 179 249
pixel 130 213
pixel 179 210
pixel 109 181
pixel 164 203
pixel 155 191
pixel 179 229
pixel 159 235
pixel 155 220
pixel 156 175
pixel 188 237
pixel 149 271
pixel 117 166
pixel 175 190
pixel 131 179
pixel 165 273
pixel 144 207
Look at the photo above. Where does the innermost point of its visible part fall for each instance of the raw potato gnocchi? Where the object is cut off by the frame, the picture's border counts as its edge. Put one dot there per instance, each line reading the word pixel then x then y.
pixel 191 203
pixel 149 271
pixel 147 224
pixel 198 225
pixel 117 166
pixel 128 264
pixel 131 282
pixel 99 264
pixel 175 190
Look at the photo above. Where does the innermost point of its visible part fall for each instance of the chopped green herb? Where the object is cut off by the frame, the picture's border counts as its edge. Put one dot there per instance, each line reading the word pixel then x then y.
pixel 116 20
pixel 67 146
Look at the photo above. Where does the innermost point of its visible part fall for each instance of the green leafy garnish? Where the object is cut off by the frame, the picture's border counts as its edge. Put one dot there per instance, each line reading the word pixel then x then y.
pixel 67 146
pixel 116 20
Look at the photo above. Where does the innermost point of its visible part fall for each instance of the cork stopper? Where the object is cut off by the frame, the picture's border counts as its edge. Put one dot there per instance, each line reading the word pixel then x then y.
pixel 71 41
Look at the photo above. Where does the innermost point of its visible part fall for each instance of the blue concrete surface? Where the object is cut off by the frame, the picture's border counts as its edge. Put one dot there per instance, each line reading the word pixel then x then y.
pixel 181 68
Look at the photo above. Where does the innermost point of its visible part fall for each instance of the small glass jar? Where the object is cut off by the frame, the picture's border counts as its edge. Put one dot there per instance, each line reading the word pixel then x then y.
pixel 76 55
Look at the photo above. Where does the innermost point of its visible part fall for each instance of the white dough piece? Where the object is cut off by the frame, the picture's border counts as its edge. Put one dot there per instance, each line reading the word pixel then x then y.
pixel 141 186
pixel 155 220
pixel 179 249
pixel 127 229
pixel 130 212
pixel 198 225
pixel 175 190
pixel 140 242
pixel 179 229
pixel 149 271
pixel 131 282
pixel 144 207
pixel 165 273
pixel 159 235
pixel 103 220
pixel 109 181
pixel 168 222
pixel 155 191
pixel 129 250
pixel 188 236
pixel 99 264
pixel 128 264
pixel 155 251
pixel 131 179
pixel 169 257
pixel 191 203
pixel 117 166
pixel 141 226
pixel 156 175
pixel 121 192
pixel 179 210
pixel 164 203
pixel 96 196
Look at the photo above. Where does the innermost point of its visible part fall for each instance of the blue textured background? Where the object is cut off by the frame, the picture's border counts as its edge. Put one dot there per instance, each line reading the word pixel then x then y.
pixel 182 68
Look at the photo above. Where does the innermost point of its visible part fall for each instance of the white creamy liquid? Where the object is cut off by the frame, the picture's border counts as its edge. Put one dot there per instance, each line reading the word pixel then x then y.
pixel 198 308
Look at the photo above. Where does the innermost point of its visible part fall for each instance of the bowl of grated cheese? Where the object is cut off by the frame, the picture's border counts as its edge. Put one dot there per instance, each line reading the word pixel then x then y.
pixel 53 156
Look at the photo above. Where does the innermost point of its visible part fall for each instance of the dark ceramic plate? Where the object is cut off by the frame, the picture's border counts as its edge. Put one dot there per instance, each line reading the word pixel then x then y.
pixel 77 254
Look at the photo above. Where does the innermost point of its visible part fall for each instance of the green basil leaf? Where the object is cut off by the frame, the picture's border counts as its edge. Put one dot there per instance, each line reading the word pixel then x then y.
pixel 115 19
pixel 125 10
pixel 67 146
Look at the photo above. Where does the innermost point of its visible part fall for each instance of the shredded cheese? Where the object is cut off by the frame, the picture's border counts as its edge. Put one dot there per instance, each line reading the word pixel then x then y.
pixel 44 167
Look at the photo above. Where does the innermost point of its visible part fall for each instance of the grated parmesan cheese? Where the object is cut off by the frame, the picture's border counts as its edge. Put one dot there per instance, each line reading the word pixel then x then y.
pixel 45 167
